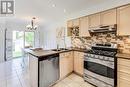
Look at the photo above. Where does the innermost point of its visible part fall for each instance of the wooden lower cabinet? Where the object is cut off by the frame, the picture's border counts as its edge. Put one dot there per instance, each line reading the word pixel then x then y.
pixel 66 64
pixel 123 73
pixel 78 62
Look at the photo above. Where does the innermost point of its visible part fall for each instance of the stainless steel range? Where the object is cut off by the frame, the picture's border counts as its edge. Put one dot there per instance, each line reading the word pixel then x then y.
pixel 100 66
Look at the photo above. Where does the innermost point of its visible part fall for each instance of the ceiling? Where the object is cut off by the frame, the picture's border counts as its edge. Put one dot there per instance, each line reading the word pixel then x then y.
pixel 43 9
pixel 51 11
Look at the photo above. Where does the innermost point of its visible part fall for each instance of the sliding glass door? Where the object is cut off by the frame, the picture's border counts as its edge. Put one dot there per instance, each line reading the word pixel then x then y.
pixel 21 40
pixel 29 39
pixel 18 43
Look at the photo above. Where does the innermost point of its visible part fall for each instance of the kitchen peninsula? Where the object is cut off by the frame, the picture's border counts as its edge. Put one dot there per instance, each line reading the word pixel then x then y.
pixel 44 68
pixel 49 66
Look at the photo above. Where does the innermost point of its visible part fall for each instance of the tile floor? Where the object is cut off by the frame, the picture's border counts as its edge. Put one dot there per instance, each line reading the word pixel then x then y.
pixel 73 81
pixel 12 74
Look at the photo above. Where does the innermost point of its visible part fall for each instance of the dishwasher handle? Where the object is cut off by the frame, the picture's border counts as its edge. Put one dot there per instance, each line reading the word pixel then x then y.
pixel 53 56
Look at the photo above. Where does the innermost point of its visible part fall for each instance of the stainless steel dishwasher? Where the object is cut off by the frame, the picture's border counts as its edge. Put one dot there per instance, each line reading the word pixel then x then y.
pixel 49 70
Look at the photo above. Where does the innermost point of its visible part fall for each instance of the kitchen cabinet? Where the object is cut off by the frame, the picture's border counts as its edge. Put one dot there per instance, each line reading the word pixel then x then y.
pixel 84 27
pixel 69 23
pixel 123 72
pixel 66 64
pixel 123 20
pixel 109 17
pixel 94 20
pixel 78 62
pixel 73 23
pixel 76 22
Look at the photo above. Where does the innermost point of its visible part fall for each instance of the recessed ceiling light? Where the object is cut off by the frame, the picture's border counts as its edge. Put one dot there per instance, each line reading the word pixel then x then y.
pixel 53 5
pixel 64 10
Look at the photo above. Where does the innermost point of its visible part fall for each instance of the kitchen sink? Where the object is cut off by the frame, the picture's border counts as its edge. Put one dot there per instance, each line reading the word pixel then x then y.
pixel 60 49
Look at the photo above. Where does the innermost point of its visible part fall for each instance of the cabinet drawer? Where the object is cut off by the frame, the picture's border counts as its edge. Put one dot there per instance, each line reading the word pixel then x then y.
pixel 69 53
pixel 62 55
pixel 124 62
pixel 79 54
pixel 123 75
pixel 66 54
pixel 123 83
pixel 124 69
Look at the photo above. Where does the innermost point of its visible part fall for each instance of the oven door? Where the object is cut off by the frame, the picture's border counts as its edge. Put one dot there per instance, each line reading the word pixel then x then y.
pixel 99 69
pixel 99 66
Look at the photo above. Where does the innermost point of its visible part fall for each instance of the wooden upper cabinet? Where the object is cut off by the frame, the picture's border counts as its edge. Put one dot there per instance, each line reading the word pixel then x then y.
pixel 109 17
pixel 84 27
pixel 94 20
pixel 70 24
pixel 73 23
pixel 123 20
pixel 76 22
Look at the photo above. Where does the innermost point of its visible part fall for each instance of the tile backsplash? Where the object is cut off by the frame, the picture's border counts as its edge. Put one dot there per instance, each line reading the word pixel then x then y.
pixel 123 42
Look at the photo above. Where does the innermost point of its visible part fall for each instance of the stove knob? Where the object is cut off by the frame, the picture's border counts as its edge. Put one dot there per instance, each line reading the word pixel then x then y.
pixel 96 56
pixel 101 57
pixel 111 64
pixel 106 58
pixel 111 59
pixel 90 55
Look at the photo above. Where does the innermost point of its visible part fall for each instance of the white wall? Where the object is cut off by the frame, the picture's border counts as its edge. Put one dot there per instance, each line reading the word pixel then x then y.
pixel 49 40
pixel 2 26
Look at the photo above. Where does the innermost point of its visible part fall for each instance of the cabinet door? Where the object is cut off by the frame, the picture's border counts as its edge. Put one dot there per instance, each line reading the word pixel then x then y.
pixel 70 60
pixel 63 65
pixel 123 20
pixel 123 72
pixel 70 24
pixel 94 20
pixel 108 17
pixel 84 27
pixel 78 62
pixel 76 22
pixel 66 64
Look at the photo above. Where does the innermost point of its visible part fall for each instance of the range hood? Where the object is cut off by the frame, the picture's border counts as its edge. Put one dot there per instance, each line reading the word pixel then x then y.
pixel 103 29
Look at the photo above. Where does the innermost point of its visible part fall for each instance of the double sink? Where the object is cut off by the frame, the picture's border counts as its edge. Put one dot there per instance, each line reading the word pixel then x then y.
pixel 60 49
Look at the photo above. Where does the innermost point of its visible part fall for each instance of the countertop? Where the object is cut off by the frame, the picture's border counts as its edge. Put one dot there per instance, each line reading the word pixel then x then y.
pixel 44 53
pixel 123 55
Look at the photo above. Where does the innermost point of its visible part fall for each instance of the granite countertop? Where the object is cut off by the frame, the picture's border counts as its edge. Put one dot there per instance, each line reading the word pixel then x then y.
pixel 44 53
pixel 123 55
